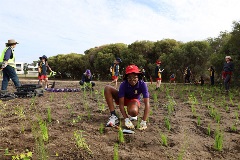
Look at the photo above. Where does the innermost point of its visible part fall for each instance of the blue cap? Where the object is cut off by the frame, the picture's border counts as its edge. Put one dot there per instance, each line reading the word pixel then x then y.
pixel 119 60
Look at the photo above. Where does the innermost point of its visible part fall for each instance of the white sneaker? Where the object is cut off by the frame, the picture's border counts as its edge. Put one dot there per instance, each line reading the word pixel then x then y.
pixel 133 118
pixel 113 120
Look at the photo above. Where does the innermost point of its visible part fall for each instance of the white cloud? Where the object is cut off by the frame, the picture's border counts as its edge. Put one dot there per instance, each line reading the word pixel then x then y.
pixel 63 26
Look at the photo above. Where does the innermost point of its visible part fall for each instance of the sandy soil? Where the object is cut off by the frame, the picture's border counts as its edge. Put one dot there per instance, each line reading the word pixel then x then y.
pixel 191 136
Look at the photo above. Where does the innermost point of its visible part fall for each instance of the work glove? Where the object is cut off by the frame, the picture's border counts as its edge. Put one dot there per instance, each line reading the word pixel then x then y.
pixel 129 124
pixel 4 64
pixel 143 125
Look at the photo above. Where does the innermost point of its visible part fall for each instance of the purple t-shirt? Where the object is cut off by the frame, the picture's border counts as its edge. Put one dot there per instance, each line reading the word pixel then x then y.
pixel 133 92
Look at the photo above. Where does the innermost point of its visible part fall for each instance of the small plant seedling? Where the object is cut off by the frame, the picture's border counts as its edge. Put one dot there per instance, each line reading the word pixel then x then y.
pixel 120 136
pixel 80 141
pixel 101 128
pixel 236 115
pixel 23 156
pixel 209 130
pixel 227 108
pixel 163 139
pixel 44 130
pixel 155 100
pixel 115 156
pixel 218 117
pixel 51 97
pixel 138 123
pixel 49 116
pixel 234 128
pixel 218 145
pixel 167 123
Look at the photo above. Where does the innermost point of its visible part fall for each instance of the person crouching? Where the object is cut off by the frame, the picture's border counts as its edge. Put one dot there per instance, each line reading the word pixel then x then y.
pixel 128 95
pixel 87 80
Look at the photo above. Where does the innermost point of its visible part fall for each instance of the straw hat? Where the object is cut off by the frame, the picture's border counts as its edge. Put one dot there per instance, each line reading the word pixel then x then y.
pixel 11 41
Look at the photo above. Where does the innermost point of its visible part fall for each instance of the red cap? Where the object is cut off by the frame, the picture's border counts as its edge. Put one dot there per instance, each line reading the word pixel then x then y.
pixel 132 69
pixel 158 62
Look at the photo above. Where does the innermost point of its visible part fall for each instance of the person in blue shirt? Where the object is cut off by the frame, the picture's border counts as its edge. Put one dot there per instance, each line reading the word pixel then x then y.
pixel 128 95
pixel 8 65
pixel 87 79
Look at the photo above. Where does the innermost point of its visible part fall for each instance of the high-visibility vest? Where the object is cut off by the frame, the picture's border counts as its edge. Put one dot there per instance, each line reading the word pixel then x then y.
pixel 11 61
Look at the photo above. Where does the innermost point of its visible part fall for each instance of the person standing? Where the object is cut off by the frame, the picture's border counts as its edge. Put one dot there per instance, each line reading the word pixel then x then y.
pixel 114 69
pixel 228 68
pixel 42 71
pixel 158 74
pixel 128 95
pixel 211 70
pixel 187 74
pixel 8 65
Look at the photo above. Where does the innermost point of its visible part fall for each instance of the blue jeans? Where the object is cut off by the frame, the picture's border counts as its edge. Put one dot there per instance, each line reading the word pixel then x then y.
pixel 9 72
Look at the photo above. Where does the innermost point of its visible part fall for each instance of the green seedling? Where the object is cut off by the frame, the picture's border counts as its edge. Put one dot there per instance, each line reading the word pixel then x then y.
pixel 234 128
pixel 163 139
pixel 155 99
pixel 218 145
pixel 151 112
pixel 209 130
pixel 167 123
pixel 120 136
pixel 6 152
pixel 218 117
pixel 51 97
pixel 33 101
pixel 115 156
pixel 236 115
pixel 41 152
pixel 76 120
pixel 138 123
pixel 49 115
pixel 101 128
pixel 227 108
pixel 44 130
pixel 65 96
pixel 23 156
pixel 80 141
pixel 19 111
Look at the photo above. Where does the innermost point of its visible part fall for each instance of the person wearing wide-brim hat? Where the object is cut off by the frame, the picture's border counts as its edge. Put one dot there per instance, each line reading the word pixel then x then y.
pixel 43 67
pixel 128 95
pixel 8 65
pixel 227 72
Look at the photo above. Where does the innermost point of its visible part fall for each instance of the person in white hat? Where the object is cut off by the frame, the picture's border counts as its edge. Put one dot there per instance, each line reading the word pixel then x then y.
pixel 227 72
pixel 7 60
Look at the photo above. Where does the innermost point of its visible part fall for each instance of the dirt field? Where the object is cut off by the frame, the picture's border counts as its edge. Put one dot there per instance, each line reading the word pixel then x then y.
pixel 191 118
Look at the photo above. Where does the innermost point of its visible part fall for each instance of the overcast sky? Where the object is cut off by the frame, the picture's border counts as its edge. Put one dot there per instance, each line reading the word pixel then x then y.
pixel 51 27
